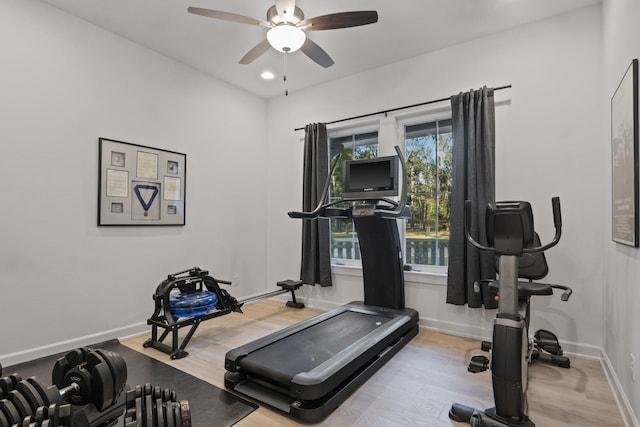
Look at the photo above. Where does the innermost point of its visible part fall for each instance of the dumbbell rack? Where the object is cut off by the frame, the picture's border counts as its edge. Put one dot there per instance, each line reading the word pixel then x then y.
pixel 87 392
pixel 153 406
pixel 193 281
pixel 28 399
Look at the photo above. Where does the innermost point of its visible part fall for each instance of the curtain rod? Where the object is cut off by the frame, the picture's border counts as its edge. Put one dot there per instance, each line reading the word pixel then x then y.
pixel 398 108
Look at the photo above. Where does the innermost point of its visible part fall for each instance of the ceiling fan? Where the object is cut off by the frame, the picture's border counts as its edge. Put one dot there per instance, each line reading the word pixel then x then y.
pixel 288 28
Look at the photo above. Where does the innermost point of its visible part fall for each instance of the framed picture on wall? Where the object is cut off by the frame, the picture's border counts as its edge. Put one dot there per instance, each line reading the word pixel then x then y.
pixel 624 158
pixel 139 185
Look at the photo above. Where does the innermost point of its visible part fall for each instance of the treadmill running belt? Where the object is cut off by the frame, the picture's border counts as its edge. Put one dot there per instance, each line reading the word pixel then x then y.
pixel 305 350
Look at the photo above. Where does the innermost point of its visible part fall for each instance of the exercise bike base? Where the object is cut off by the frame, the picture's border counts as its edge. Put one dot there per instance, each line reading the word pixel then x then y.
pixel 488 418
pixel 561 361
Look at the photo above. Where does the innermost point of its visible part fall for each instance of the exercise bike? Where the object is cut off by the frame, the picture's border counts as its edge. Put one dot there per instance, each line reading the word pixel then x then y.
pixel 511 236
pixel 544 344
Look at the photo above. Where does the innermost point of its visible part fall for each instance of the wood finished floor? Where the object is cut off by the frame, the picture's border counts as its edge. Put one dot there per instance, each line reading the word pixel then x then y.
pixel 415 388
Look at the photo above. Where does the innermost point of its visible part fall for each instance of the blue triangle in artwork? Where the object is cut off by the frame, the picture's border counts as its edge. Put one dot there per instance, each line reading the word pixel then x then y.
pixel 146 204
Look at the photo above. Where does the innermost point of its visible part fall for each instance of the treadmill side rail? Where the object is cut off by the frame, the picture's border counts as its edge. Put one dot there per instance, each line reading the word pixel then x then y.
pixel 325 377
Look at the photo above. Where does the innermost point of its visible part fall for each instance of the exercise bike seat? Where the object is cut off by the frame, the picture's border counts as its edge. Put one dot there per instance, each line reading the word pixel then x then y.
pixel 531 266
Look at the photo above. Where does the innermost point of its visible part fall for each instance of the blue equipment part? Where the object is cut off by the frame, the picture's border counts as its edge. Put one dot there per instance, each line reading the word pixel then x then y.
pixel 193 311
pixel 193 300
pixel 194 304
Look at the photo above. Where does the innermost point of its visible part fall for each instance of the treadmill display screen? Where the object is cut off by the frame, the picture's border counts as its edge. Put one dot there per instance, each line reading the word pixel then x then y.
pixel 370 178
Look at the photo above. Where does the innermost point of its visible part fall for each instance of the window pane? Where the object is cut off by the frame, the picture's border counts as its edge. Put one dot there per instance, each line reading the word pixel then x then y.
pixel 428 149
pixel 344 241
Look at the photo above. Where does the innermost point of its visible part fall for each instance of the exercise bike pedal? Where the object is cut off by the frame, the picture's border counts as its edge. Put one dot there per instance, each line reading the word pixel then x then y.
pixel 561 361
pixel 486 345
pixel 548 342
pixel 479 363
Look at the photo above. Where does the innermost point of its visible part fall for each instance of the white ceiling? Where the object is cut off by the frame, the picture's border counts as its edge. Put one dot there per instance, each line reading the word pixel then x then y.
pixel 406 28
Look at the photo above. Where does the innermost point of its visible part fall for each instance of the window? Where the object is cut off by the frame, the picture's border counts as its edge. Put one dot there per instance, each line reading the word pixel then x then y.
pixel 428 150
pixel 344 241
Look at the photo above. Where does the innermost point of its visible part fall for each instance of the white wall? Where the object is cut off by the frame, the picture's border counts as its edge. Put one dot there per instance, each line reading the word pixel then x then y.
pixel 63 84
pixel 549 142
pixel 621 44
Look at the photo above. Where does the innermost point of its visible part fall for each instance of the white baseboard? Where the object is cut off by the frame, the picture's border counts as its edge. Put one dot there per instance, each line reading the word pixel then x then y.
pixel 457 329
pixel 60 347
pixel 484 333
pixel 626 410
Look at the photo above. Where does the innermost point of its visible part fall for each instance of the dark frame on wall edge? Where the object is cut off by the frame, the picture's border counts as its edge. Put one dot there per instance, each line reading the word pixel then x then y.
pixel 624 159
pixel 140 185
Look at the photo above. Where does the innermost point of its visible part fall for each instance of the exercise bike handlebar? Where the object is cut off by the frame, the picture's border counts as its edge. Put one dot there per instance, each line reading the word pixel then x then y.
pixel 557 222
pixel 397 211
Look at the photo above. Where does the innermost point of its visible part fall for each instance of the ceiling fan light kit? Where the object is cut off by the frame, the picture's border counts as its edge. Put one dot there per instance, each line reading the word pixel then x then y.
pixel 286 38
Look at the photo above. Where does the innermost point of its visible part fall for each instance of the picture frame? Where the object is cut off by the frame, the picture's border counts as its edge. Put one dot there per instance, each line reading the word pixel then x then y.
pixel 624 158
pixel 140 185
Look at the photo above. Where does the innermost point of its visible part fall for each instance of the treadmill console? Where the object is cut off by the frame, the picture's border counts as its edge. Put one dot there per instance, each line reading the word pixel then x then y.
pixel 363 210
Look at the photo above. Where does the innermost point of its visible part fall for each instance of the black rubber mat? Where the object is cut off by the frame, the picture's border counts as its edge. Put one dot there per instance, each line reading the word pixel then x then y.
pixel 210 405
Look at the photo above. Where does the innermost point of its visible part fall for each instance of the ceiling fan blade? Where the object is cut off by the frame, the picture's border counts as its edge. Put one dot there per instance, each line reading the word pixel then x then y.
pixel 285 7
pixel 255 52
pixel 334 21
pixel 226 16
pixel 316 53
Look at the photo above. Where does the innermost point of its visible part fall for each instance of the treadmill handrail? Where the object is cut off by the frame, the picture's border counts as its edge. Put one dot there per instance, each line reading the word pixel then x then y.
pixel 402 203
pixel 321 205
pixel 399 210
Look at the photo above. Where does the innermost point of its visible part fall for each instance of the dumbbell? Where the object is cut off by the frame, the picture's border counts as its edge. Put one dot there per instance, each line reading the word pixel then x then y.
pixel 31 403
pixel 82 376
pixel 10 412
pixel 90 376
pixel 45 416
pixel 28 401
pixel 8 383
pixel 148 406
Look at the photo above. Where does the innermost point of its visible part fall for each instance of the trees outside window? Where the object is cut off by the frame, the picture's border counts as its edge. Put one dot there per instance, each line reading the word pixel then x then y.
pixel 428 150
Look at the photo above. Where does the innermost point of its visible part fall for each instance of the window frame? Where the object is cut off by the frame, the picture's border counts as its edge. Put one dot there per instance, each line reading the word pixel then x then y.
pixel 403 123
pixel 340 132
pixel 399 121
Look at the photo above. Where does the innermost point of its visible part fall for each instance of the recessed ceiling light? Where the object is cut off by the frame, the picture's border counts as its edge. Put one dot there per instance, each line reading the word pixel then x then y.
pixel 267 75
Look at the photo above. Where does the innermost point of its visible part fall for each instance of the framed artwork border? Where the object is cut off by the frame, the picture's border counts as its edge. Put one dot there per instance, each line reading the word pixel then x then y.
pixel 140 185
pixel 624 159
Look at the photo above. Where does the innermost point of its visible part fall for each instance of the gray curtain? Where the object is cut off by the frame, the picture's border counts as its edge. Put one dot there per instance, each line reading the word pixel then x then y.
pixel 316 259
pixel 473 178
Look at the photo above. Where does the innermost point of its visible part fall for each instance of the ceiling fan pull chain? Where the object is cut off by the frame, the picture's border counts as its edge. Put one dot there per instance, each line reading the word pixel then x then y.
pixel 284 75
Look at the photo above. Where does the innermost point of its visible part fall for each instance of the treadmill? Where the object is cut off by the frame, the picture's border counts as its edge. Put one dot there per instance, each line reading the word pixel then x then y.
pixel 308 369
